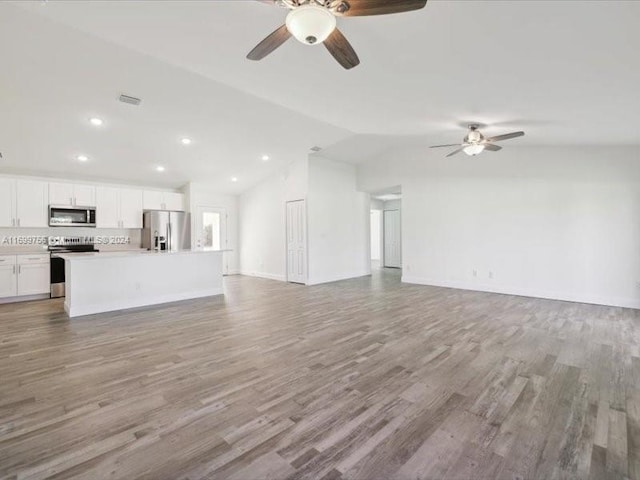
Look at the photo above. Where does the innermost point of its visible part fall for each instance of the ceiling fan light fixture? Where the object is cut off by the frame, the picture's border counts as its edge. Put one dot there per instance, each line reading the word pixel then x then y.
pixel 311 24
pixel 472 150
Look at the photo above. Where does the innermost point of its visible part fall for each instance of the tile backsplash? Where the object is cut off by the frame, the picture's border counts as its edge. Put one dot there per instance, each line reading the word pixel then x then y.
pixel 14 238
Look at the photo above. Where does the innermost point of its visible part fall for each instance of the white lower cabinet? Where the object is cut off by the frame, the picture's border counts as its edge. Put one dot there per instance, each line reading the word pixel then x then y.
pixel 8 284
pixel 33 279
pixel 22 275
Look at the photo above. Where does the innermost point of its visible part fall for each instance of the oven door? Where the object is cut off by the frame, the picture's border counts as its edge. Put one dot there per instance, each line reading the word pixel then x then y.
pixel 72 216
pixel 57 276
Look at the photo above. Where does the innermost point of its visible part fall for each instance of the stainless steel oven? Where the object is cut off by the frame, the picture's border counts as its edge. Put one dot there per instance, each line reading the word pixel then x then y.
pixel 65 245
pixel 66 216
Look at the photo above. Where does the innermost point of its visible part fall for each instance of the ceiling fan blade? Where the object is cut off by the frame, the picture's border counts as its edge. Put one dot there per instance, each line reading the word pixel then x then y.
pixel 506 136
pixel 450 145
pixel 359 8
pixel 491 147
pixel 269 44
pixel 342 50
pixel 455 152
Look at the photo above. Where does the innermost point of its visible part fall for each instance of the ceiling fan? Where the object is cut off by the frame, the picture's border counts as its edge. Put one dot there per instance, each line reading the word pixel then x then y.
pixel 475 143
pixel 314 21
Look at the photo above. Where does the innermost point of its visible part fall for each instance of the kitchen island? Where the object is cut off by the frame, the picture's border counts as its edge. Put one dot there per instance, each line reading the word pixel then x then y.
pixel 99 282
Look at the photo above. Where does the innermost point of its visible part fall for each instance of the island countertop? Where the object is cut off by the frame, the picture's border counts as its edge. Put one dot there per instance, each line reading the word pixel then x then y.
pixel 105 281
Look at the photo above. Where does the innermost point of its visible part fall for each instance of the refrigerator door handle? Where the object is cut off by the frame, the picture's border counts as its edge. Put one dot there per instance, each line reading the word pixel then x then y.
pixel 169 246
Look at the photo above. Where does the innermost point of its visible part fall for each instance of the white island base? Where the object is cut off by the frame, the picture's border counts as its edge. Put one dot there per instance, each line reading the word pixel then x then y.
pixel 103 282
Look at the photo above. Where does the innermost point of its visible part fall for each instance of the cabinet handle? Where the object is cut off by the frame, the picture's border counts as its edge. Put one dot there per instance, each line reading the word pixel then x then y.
pixel 19 269
pixel 13 222
pixel 18 222
pixel 14 269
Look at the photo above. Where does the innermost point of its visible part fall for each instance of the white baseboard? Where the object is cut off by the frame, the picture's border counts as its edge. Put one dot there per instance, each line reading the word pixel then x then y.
pixel 523 292
pixel 25 298
pixel 269 276
pixel 138 302
pixel 337 278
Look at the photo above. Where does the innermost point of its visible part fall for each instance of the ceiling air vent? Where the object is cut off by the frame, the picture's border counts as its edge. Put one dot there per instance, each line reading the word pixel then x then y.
pixel 130 100
pixel 315 149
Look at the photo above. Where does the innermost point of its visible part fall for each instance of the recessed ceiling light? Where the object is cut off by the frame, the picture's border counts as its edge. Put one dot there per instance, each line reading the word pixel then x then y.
pixel 265 158
pixel 96 121
pixel 160 168
pixel 234 179
pixel 82 158
pixel 186 141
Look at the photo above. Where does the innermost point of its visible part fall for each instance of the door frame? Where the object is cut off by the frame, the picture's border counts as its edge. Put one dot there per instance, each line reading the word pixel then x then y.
pixel 286 241
pixel 224 231
pixel 384 239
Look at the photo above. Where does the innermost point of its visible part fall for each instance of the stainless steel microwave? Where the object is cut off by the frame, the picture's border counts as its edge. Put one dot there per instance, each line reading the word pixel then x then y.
pixel 67 216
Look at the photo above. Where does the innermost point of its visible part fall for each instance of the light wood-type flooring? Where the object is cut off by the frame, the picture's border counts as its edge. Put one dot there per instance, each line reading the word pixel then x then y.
pixel 360 379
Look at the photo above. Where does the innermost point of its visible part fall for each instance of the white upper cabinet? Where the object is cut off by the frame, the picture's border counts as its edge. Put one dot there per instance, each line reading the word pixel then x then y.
pixel 118 207
pixel 60 193
pixel 107 207
pixel 31 203
pixel 72 194
pixel 7 203
pixel 155 200
pixel 84 195
pixel 173 201
pixel 131 208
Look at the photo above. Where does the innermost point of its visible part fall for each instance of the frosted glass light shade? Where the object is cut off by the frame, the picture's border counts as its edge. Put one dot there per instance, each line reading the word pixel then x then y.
pixel 473 149
pixel 311 24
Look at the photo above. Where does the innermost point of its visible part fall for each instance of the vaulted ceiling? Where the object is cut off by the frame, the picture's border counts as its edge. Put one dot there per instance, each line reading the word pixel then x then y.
pixel 564 71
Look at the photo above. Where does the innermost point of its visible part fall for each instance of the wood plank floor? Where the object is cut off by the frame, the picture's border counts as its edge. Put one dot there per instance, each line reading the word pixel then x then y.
pixel 360 379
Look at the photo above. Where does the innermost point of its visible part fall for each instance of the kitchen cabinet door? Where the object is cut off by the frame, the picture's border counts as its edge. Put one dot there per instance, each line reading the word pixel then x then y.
pixel 33 279
pixel 7 203
pixel 107 207
pixel 153 200
pixel 60 193
pixel 174 201
pixel 131 204
pixel 31 203
pixel 84 195
pixel 8 281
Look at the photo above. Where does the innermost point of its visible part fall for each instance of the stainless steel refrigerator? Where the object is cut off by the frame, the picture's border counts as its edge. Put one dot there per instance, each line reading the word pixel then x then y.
pixel 166 230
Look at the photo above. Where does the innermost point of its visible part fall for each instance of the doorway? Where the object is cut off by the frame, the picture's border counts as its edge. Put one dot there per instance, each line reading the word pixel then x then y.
pixel 386 228
pixel 297 242
pixel 211 231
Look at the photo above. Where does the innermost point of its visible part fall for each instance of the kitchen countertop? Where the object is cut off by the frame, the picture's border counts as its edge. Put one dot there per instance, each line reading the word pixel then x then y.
pixel 130 253
pixel 23 251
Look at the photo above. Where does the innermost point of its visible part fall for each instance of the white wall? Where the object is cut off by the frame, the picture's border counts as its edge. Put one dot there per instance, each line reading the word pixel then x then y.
pixel 338 223
pixel 376 234
pixel 200 194
pixel 263 221
pixel 553 222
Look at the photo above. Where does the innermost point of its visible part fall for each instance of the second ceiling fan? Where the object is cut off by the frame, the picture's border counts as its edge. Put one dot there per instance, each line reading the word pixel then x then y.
pixel 314 21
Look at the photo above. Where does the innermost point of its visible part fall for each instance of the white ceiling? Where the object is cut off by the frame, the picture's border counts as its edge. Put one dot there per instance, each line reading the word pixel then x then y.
pixel 564 71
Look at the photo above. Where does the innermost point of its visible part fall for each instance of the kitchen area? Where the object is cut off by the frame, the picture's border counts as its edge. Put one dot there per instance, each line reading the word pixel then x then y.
pixel 101 247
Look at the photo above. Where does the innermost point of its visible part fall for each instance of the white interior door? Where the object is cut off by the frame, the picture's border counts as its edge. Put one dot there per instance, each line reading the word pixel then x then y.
pixel 211 231
pixel 296 242
pixel 392 239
